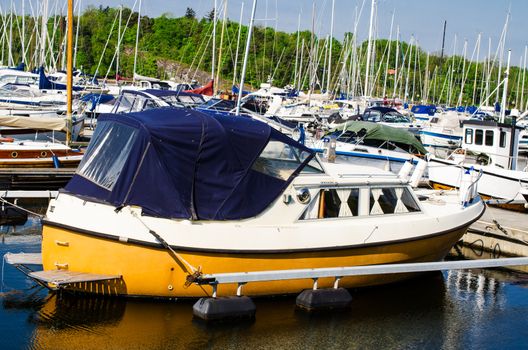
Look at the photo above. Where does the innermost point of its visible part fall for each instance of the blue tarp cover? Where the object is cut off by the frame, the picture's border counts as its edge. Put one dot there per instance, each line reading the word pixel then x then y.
pixel 46 84
pixel 186 164
pixel 422 109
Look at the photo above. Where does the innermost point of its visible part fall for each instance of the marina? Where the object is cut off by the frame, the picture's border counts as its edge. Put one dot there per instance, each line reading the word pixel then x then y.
pixel 202 182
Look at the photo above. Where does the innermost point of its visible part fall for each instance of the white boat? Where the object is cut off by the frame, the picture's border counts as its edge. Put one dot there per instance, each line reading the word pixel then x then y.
pixel 372 144
pixel 492 149
pixel 443 132
pixel 177 193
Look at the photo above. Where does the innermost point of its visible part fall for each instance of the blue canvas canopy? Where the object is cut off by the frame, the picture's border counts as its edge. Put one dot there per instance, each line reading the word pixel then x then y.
pixel 422 109
pixel 181 163
pixel 46 84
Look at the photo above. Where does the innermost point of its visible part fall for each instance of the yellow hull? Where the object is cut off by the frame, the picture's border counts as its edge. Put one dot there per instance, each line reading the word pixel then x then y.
pixel 153 272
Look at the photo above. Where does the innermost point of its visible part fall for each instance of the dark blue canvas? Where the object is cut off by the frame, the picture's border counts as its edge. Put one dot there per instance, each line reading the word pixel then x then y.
pixel 186 164
pixel 46 84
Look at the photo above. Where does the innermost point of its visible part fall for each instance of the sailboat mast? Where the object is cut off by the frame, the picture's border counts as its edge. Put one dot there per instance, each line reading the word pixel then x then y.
pixel 297 51
pixel 476 70
pixel 397 70
pixel 501 45
pixel 221 44
pixel 118 48
pixel 238 43
pixel 213 62
pixel 312 55
pixel 505 89
pixel 369 47
pixel 330 50
pixel 44 32
pixel 246 55
pixel 137 42
pixel 69 71
pixel 388 57
pixel 77 32
pixel 443 42
pixel 521 106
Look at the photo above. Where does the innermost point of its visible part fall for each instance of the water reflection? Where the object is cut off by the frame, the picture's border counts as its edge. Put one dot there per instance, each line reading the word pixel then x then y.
pixel 451 310
pixel 66 321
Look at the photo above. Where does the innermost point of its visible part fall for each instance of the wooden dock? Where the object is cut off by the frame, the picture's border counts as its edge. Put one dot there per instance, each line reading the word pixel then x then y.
pixel 498 233
pixel 34 179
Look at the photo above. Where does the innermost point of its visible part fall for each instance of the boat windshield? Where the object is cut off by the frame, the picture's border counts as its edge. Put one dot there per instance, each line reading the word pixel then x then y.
pixel 395 117
pixel 280 160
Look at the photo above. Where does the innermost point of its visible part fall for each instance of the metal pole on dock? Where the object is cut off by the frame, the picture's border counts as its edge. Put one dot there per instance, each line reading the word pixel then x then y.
pixel 69 79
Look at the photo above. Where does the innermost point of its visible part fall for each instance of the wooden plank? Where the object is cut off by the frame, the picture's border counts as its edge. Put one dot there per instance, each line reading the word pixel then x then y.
pixel 37 171
pixel 23 258
pixel 60 278
pixel 28 194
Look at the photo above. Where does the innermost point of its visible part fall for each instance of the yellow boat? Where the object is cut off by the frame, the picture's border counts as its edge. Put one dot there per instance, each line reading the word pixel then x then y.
pixel 163 196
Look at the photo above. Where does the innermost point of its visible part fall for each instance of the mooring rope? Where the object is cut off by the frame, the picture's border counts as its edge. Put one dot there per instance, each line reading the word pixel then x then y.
pixel 40 216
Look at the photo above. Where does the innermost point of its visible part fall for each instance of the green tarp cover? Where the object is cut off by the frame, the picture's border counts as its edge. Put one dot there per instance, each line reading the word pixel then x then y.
pixel 382 132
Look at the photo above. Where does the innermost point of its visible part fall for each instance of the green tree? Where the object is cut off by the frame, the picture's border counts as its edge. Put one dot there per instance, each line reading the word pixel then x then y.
pixel 190 13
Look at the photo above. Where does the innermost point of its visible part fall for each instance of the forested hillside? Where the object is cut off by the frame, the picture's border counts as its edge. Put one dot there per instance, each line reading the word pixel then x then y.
pixel 172 47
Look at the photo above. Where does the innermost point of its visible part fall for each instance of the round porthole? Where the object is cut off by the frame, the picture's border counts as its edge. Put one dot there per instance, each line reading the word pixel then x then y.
pixel 14 154
pixel 43 154
pixel 303 196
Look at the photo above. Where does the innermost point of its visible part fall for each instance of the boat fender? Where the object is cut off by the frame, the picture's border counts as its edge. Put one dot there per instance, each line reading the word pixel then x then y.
pixel 56 162
pixel 405 171
pixel 418 173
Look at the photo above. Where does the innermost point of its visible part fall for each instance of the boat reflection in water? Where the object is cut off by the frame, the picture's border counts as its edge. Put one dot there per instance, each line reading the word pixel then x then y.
pixel 425 312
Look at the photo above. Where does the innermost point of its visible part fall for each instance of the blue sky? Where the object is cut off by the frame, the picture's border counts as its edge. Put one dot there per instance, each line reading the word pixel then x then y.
pixel 423 18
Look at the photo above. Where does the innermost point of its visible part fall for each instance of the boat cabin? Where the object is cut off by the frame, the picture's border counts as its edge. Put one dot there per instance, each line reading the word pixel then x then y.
pixel 492 142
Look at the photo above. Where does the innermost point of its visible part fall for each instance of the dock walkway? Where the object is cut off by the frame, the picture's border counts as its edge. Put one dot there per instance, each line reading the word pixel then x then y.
pixel 498 233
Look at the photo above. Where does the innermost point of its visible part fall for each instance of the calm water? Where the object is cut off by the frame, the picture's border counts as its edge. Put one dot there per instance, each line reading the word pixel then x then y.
pixel 476 309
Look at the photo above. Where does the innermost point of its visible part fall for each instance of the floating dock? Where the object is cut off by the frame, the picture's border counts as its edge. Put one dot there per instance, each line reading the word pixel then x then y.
pixel 498 233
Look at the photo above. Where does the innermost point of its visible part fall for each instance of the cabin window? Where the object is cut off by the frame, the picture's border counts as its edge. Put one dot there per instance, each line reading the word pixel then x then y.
pixel 107 154
pixel 345 202
pixel 489 138
pixel 469 136
pixel 333 203
pixel 479 136
pixel 502 141
pixel 390 200
pixel 279 160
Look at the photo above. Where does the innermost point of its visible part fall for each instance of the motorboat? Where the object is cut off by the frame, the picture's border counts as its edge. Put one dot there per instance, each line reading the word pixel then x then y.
pixel 166 195
pixel 423 113
pixel 490 148
pixel 372 144
pixel 391 117
pixel 443 132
